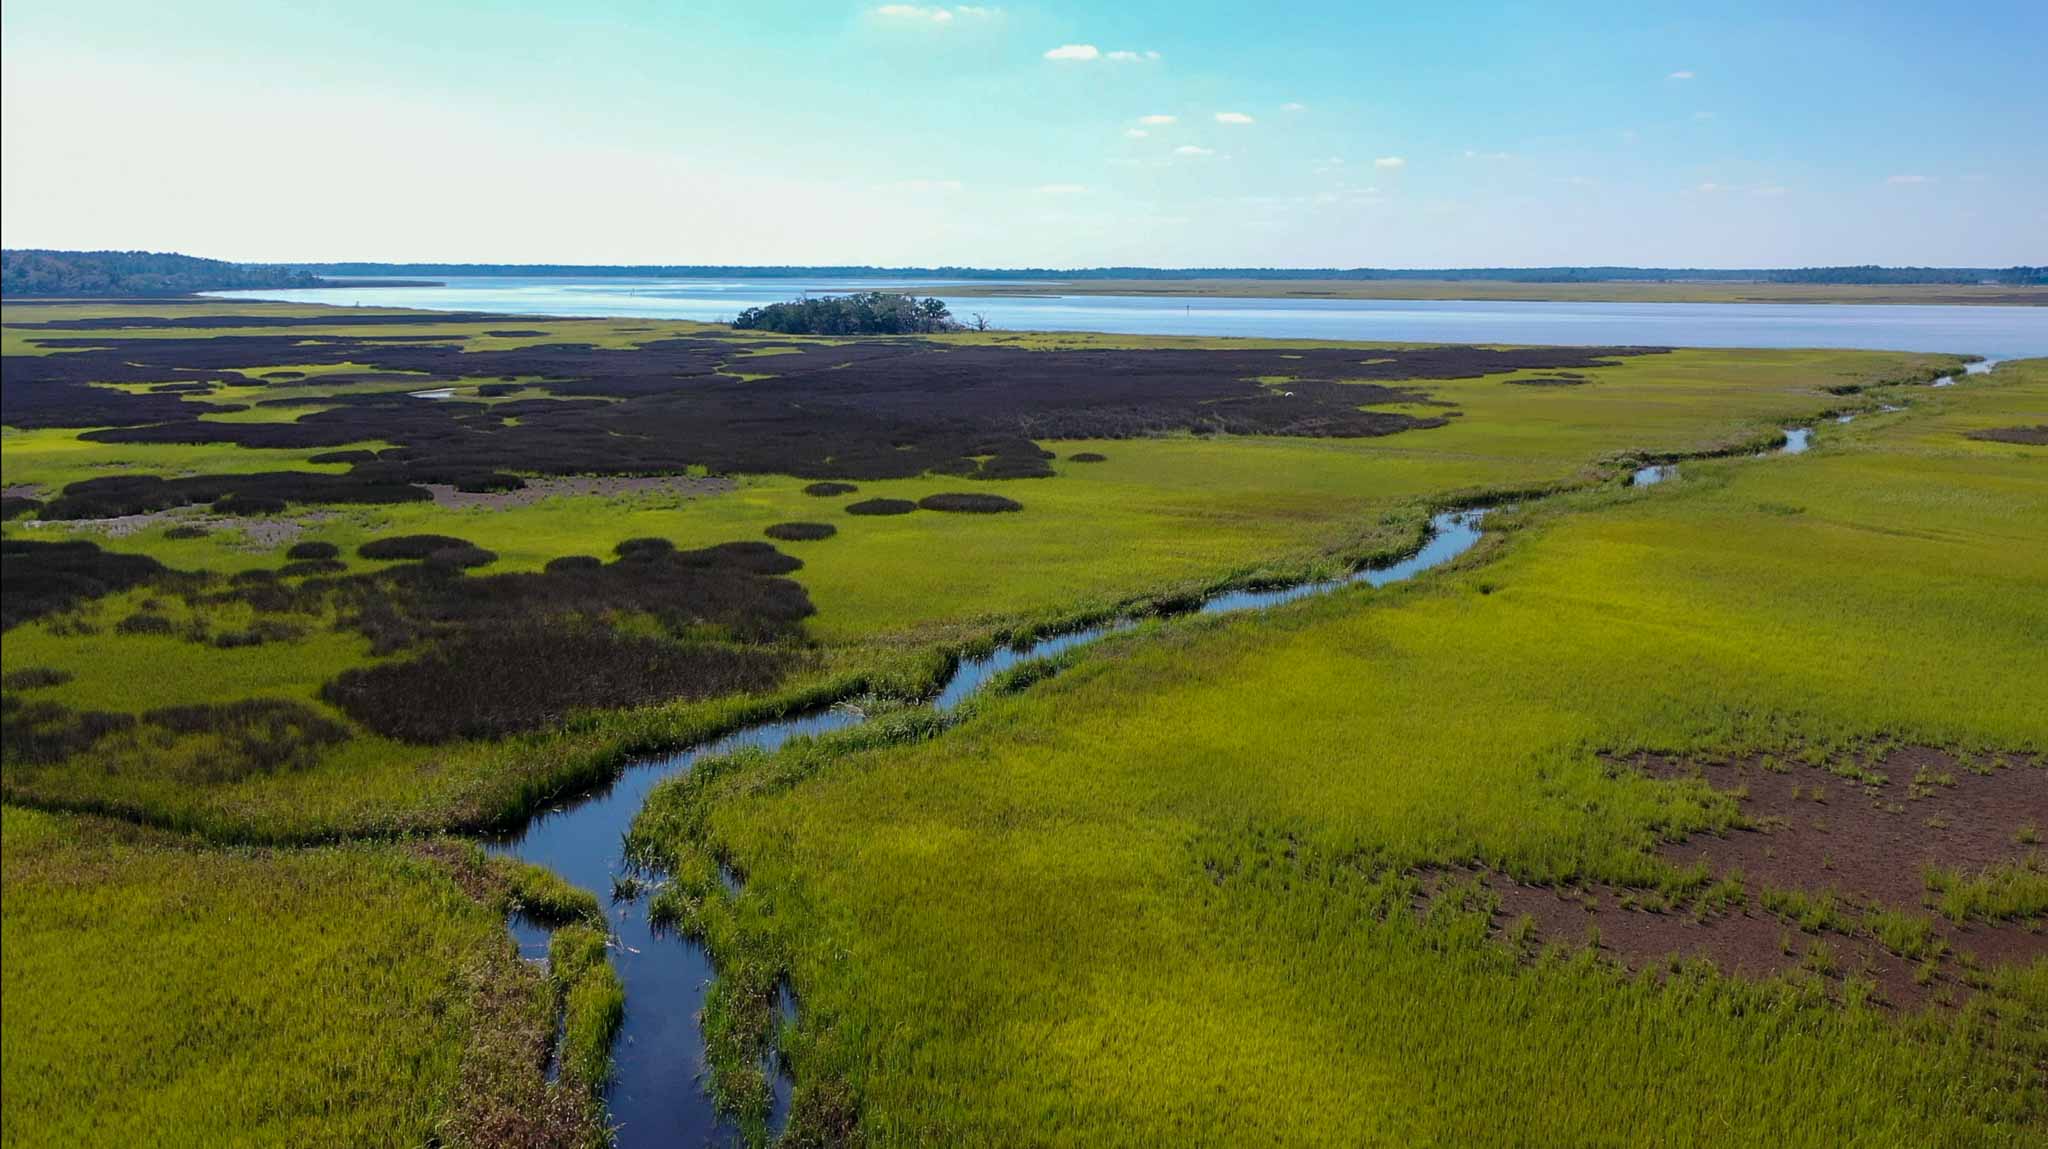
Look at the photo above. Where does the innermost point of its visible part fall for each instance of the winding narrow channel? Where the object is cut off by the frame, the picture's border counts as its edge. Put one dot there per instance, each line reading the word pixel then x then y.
pixel 657 1095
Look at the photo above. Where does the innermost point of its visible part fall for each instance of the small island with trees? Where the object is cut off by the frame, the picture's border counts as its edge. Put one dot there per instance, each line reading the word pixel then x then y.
pixel 859 313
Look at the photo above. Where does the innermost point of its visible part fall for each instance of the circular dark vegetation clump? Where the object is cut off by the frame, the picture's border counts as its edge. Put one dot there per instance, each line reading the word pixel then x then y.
pixel 825 490
pixel 574 563
pixel 305 567
pixel 801 532
pixel 187 532
pixel 458 558
pixel 142 622
pixel 248 505
pixel 644 550
pixel 313 550
pixel 1087 457
pixel 972 504
pixel 34 678
pixel 411 548
pixel 881 507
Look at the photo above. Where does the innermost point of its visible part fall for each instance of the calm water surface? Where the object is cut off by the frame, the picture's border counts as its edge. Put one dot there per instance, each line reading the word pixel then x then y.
pixel 1999 332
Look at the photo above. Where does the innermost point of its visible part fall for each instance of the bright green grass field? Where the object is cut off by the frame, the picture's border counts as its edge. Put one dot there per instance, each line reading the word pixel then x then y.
pixel 1133 904
pixel 157 994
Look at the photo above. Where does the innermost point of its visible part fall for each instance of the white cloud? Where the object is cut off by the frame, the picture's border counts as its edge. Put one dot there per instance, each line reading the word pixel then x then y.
pixel 1193 150
pixel 1074 52
pixel 1157 120
pixel 1136 133
pixel 1125 56
pixel 1680 75
pixel 937 14
pixel 1909 179
pixel 1233 118
pixel 1062 189
pixel 1470 154
pixel 1292 106
pixel 1391 163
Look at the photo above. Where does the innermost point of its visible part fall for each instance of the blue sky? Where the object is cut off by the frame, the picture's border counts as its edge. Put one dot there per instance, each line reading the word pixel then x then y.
pixel 1055 134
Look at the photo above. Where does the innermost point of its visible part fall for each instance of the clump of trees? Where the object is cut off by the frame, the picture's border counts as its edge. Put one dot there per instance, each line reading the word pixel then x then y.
pixel 31 272
pixel 861 313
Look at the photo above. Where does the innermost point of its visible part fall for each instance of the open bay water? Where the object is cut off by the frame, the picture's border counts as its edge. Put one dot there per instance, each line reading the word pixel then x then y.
pixel 1996 332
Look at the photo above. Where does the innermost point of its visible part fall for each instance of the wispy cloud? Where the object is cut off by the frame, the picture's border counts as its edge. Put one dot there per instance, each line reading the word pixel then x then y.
pixel 1062 189
pixel 1193 150
pixel 1680 75
pixel 1136 133
pixel 1293 106
pixel 937 14
pixel 1909 179
pixel 1390 163
pixel 1496 157
pixel 1085 52
pixel 1156 121
pixel 1767 191
pixel 1233 118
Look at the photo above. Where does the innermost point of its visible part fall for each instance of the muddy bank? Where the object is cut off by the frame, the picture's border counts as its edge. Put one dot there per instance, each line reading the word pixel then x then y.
pixel 259 533
pixel 1829 874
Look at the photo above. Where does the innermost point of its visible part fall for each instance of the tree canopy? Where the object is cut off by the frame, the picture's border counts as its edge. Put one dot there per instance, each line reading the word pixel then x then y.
pixel 31 272
pixel 860 313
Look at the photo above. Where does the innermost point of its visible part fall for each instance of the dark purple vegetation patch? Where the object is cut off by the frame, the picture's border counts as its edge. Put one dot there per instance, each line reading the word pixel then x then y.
pixel 865 409
pixel 43 578
pixel 489 683
pixel 972 504
pixel 881 507
pixel 801 532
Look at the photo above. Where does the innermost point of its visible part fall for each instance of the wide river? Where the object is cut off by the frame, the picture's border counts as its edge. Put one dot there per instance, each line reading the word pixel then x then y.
pixel 1996 332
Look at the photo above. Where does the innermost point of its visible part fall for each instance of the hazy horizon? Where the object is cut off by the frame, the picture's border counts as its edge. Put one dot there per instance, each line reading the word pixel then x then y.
pixel 1048 136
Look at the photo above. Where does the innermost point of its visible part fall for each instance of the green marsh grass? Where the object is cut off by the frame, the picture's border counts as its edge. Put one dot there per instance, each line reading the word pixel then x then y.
pixel 160 992
pixel 1163 896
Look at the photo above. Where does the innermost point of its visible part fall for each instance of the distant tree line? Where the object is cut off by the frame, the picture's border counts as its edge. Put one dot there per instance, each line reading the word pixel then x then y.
pixel 30 272
pixel 37 272
pixel 1891 275
pixel 1860 274
pixel 861 313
